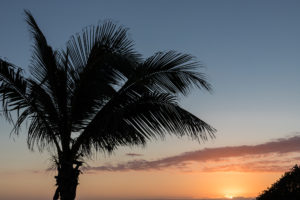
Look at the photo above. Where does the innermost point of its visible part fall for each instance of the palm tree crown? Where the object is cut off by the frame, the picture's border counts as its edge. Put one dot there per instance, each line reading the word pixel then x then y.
pixel 98 93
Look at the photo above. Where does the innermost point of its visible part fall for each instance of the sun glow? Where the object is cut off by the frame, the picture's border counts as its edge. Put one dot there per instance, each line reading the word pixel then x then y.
pixel 229 196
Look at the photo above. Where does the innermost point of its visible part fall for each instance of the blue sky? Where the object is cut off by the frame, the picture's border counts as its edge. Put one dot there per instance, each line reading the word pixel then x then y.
pixel 250 50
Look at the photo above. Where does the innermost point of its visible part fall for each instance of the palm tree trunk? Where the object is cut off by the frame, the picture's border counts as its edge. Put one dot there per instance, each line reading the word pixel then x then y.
pixel 66 181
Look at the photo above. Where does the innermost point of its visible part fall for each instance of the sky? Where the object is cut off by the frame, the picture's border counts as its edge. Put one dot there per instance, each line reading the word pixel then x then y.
pixel 250 50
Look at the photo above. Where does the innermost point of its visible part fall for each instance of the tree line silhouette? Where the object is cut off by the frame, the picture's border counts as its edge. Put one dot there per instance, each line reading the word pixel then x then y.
pixel 286 188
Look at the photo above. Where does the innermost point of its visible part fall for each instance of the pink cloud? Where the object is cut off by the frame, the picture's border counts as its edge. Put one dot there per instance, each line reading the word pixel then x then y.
pixel 280 148
pixel 133 154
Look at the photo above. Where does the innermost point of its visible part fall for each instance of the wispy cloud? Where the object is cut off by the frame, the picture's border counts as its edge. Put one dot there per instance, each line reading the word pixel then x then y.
pixel 134 154
pixel 269 156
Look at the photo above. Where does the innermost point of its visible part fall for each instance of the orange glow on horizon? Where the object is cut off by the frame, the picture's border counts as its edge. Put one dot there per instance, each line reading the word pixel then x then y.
pixel 228 196
pixel 153 184
pixel 144 184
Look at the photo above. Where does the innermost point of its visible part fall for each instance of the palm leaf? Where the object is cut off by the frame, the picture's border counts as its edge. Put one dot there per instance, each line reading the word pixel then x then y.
pixel 134 119
pixel 101 57
pixel 169 72
pixel 14 93
pixel 12 89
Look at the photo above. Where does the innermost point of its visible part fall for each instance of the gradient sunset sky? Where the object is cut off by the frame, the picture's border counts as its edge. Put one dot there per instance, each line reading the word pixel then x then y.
pixel 251 53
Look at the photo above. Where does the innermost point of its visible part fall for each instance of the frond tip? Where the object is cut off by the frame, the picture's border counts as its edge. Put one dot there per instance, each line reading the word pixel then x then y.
pixel 13 88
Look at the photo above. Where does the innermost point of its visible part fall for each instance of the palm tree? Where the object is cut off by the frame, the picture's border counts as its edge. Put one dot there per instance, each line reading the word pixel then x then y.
pixel 98 94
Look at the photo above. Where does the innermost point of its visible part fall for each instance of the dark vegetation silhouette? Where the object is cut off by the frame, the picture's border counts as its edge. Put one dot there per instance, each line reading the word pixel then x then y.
pixel 98 94
pixel 286 188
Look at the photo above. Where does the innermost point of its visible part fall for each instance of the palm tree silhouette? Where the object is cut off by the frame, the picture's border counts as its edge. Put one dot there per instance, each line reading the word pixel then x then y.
pixel 96 95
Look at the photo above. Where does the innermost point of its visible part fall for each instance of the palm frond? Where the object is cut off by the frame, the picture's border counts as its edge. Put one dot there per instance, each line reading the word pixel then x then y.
pixel 43 60
pixel 13 88
pixel 43 65
pixel 100 57
pixel 134 119
pixel 164 73
pixel 169 72
pixel 15 95
pixel 95 41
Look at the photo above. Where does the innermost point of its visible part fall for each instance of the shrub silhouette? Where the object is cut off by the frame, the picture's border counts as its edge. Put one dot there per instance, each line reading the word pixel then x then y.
pixel 286 188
